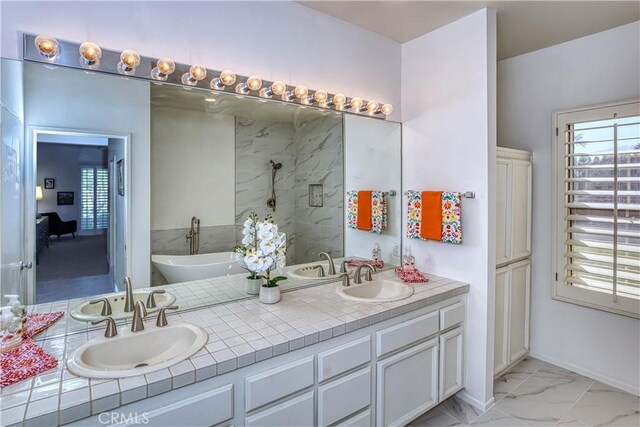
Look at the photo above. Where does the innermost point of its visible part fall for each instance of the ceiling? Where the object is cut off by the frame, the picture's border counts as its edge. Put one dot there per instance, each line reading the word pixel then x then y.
pixel 523 26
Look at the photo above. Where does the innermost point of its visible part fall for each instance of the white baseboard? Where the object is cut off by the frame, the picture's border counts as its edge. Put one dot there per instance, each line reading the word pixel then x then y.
pixel 464 396
pixel 587 373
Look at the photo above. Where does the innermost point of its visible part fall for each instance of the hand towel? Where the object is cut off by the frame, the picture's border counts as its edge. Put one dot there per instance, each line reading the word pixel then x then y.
pixel 450 222
pixel 413 276
pixel 38 322
pixel 24 362
pixel 377 206
pixel 364 210
pixel 360 261
pixel 431 215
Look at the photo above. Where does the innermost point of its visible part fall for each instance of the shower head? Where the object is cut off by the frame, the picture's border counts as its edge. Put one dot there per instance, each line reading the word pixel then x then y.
pixel 274 165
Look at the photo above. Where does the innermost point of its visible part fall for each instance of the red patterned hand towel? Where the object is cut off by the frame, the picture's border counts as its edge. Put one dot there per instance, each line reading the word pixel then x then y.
pixel 413 276
pixel 24 362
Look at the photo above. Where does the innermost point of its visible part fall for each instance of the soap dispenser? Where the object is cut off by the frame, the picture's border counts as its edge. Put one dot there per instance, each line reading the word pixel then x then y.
pixel 10 330
pixel 377 253
pixel 408 260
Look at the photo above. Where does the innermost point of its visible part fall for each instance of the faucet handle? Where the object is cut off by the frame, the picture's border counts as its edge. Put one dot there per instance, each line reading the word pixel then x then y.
pixel 162 316
pixel 112 329
pixel 343 265
pixel 368 276
pixel 106 306
pixel 345 280
pixel 320 270
pixel 151 301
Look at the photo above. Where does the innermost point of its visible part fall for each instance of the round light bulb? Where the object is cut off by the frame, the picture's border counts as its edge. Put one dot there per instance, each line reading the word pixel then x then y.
pixel 198 72
pixel 386 109
pixel 130 58
pixel 339 100
pixel 300 91
pixel 254 83
pixel 278 87
pixel 355 104
pixel 166 66
pixel 371 107
pixel 228 77
pixel 320 96
pixel 91 53
pixel 47 46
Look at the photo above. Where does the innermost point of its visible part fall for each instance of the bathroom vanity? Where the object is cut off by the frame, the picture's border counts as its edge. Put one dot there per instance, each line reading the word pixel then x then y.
pixel 313 359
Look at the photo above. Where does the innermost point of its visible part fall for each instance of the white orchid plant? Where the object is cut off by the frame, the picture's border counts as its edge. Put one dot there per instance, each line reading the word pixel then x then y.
pixel 262 249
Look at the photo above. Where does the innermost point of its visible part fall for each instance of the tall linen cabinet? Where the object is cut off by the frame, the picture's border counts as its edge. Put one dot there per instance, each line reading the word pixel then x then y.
pixel 513 257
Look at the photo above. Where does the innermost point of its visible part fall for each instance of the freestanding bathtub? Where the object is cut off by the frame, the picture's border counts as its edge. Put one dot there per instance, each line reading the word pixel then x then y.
pixel 184 268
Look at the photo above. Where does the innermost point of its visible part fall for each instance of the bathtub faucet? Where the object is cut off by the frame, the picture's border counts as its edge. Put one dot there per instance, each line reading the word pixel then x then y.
pixel 194 236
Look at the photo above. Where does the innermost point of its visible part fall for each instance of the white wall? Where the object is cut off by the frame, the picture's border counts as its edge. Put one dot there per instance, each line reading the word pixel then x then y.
pixel 203 145
pixel 373 158
pixel 63 162
pixel 601 68
pixel 90 102
pixel 117 220
pixel 448 111
pixel 276 40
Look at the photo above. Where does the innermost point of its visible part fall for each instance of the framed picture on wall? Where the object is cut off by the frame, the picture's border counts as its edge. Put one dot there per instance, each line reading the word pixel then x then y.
pixel 49 183
pixel 316 194
pixel 65 198
pixel 121 177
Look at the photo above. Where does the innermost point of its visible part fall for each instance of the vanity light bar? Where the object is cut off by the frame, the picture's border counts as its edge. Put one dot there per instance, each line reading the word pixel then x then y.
pixel 88 55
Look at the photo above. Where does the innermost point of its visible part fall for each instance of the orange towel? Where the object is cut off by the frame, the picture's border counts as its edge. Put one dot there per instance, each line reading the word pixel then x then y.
pixel 364 210
pixel 431 215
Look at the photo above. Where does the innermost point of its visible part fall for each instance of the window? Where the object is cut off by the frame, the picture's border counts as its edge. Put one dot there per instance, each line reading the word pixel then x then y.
pixel 94 198
pixel 597 261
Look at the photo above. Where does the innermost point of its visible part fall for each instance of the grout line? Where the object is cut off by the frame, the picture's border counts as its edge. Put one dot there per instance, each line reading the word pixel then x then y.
pixel 578 399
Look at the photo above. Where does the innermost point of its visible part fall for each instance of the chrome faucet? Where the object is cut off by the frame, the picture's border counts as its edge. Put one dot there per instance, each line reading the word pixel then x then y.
pixel 357 276
pixel 128 298
pixel 140 312
pixel 194 236
pixel 332 266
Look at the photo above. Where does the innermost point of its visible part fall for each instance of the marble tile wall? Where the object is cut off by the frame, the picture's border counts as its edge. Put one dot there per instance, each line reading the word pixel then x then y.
pixel 320 160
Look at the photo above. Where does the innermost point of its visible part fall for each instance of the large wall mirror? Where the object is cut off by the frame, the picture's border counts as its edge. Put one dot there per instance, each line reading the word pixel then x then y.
pixel 125 177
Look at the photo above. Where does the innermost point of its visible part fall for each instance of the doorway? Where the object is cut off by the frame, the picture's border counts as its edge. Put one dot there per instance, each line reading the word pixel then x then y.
pixel 80 233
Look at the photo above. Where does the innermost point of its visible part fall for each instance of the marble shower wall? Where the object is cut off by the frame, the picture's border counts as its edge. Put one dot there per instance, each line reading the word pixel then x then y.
pixel 320 160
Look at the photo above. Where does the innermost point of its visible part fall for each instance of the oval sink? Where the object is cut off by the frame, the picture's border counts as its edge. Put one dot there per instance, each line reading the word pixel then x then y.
pixel 376 291
pixel 136 353
pixel 89 312
pixel 310 273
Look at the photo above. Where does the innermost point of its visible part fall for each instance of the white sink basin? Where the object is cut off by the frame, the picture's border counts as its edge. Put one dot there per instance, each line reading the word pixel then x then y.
pixel 89 312
pixel 376 291
pixel 136 353
pixel 310 273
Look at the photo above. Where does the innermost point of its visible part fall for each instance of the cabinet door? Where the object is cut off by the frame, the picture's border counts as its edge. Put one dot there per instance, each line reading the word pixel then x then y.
pixel 519 288
pixel 501 342
pixel 407 384
pixel 451 362
pixel 292 413
pixel 503 224
pixel 520 209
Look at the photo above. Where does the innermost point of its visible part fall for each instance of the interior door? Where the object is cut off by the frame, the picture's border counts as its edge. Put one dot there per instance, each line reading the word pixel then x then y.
pixel 13 260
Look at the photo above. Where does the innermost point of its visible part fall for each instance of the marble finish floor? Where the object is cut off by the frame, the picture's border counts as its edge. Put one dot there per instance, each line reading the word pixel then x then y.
pixel 536 393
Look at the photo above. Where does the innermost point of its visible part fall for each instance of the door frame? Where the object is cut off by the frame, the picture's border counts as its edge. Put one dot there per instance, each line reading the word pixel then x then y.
pixel 30 180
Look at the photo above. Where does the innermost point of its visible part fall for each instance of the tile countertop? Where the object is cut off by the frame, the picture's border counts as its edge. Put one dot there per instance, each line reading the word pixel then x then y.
pixel 240 333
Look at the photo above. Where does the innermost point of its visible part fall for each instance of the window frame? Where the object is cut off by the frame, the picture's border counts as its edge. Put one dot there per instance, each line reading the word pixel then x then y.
pixel 560 290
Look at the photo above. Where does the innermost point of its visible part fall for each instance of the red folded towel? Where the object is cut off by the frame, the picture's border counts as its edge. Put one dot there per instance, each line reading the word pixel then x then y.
pixel 38 322
pixel 24 362
pixel 358 262
pixel 413 276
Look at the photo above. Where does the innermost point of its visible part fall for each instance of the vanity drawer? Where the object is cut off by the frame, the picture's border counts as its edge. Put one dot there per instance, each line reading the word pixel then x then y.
pixel 452 315
pixel 273 384
pixel 398 336
pixel 292 413
pixel 343 358
pixel 344 397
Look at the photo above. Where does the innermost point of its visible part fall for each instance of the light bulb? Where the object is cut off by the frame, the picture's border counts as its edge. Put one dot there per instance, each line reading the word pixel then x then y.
pixel 386 109
pixel 339 100
pixel 355 104
pixel 163 69
pixel 90 54
pixel 300 91
pixel 47 46
pixel 129 60
pixel 228 77
pixel 252 83
pixel 195 74
pixel 320 96
pixel 276 88
pixel 372 107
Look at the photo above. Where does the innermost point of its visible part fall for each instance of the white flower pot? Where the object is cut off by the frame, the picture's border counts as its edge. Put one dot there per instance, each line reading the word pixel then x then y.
pixel 270 295
pixel 252 286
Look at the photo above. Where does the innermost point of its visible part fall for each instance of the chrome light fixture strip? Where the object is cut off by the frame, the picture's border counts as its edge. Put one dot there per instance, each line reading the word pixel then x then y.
pixel 69 56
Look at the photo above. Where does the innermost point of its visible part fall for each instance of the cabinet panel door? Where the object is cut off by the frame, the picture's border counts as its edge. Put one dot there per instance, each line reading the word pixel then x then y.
pixel 503 225
pixel 292 413
pixel 500 354
pixel 519 288
pixel 343 397
pixel 451 362
pixel 407 384
pixel 521 209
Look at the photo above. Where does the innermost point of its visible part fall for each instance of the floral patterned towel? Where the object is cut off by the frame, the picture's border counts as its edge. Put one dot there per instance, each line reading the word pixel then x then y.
pixel 358 262
pixel 24 362
pixel 451 216
pixel 378 210
pixel 38 322
pixel 411 276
